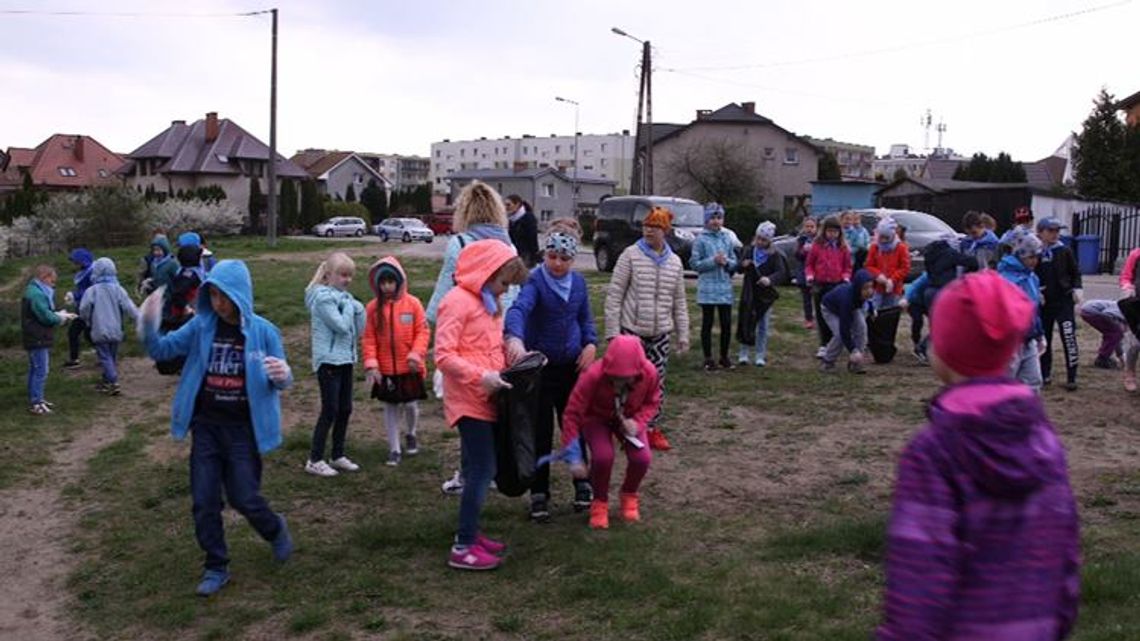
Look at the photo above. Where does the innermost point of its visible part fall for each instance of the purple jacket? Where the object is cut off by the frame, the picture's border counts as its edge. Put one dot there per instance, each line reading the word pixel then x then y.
pixel 983 538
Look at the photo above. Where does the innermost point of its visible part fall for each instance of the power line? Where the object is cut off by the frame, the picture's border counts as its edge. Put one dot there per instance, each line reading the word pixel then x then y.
pixel 906 47
pixel 127 14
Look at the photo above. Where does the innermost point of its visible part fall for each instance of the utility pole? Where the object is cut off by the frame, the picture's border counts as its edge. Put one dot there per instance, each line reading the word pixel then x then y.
pixel 271 191
pixel 647 73
pixel 641 178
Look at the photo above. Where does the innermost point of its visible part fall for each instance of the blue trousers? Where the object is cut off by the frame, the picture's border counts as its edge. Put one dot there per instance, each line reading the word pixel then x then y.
pixel 108 354
pixel 37 373
pixel 226 457
pixel 477 441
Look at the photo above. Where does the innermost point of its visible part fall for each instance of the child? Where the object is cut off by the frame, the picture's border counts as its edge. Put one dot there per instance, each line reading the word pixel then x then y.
pixel 916 308
pixel 1017 267
pixel 1131 355
pixel 858 240
pixel 1061 285
pixel 81 258
pixel 38 320
pixel 228 399
pixel 617 396
pixel 983 538
pixel 843 313
pixel 981 243
pixel 1129 276
pixel 763 269
pixel 103 306
pixel 336 326
pixel 395 344
pixel 803 246
pixel 1023 220
pixel 159 267
pixel 469 351
pixel 828 265
pixel 714 260
pixel 1105 317
pixel 888 261
pixel 552 315
pixel 989 223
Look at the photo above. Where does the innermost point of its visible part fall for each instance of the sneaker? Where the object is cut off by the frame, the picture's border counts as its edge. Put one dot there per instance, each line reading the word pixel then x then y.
pixel 726 364
pixel 539 511
pixel 39 408
pixel 282 543
pixel 920 356
pixel 71 364
pixel 826 367
pixel 599 515
pixel 344 464
pixel 101 387
pixel 1106 362
pixel 1130 382
pixel 761 362
pixel 583 495
pixel 48 404
pixel 821 352
pixel 411 446
pixel 453 486
pixel 112 389
pixel 319 468
pixel 212 581
pixel 856 368
pixel 710 365
pixel 743 360
pixel 1071 386
pixel 472 557
pixel 657 441
pixel 393 459
pixel 1047 381
pixel 498 548
pixel 809 324
pixel 629 508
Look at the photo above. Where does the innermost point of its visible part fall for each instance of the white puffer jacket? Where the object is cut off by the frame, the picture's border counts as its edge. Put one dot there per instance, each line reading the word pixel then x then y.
pixel 646 299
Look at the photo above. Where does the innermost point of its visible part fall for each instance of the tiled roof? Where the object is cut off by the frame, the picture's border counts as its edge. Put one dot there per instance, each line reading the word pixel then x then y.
pixel 942 168
pixel 64 161
pixel 1129 102
pixel 185 150
pixel 316 167
pixel 527 174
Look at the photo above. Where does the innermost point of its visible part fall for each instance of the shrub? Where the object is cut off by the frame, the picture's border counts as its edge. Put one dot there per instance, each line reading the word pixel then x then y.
pixel 340 208
pixel 218 218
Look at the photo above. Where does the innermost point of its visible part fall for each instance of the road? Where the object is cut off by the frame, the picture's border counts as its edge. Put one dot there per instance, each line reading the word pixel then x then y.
pixel 434 250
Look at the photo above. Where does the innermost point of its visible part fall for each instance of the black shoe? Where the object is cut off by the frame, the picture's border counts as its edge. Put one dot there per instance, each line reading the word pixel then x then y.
pixel 71 365
pixel 539 511
pixel 1106 362
pixel 826 367
pixel 1071 386
pixel 726 364
pixel 856 368
pixel 583 495
pixel 411 445
pixel 710 365
pixel 1047 381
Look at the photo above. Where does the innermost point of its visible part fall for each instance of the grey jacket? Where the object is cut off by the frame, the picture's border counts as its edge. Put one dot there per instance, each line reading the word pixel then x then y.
pixel 105 303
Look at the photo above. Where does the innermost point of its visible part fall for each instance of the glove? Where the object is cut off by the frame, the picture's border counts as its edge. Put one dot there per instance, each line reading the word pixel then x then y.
pixel 277 369
pixel 65 316
pixel 765 281
pixel 1078 296
pixel 69 298
pixel 492 382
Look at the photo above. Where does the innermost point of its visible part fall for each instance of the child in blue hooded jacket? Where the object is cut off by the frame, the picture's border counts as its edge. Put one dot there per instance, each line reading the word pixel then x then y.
pixel 1018 268
pixel 714 259
pixel 103 307
pixel 228 399
pixel 843 311
pixel 80 257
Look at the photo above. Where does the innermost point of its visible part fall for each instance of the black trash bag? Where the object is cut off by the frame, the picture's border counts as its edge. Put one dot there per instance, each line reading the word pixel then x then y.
pixel 518 421
pixel 172 367
pixel 1130 308
pixel 882 328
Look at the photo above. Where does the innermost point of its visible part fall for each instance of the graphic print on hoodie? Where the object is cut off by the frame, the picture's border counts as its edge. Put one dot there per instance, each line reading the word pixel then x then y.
pixel 222 399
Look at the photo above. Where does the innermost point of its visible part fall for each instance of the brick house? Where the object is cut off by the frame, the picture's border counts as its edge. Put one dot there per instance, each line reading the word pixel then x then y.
pixel 63 162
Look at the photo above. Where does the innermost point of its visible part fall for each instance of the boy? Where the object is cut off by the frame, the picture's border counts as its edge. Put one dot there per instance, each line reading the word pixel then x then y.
pixel 81 258
pixel 979 242
pixel 983 539
pixel 228 399
pixel 38 321
pixel 1061 284
pixel 843 312
pixel 102 309
pixel 1018 267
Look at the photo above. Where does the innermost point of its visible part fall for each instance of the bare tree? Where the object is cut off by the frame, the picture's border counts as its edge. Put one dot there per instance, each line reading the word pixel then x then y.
pixel 717 170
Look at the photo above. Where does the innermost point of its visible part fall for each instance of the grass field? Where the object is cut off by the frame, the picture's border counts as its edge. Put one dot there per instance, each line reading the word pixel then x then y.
pixel 765 522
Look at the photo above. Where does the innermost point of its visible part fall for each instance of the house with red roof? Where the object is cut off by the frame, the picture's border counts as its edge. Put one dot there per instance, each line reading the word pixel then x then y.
pixel 63 162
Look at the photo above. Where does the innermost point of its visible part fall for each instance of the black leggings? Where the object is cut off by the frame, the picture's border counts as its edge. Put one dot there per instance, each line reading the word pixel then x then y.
pixel 335 382
pixel 1066 322
pixel 725 312
pixel 555 386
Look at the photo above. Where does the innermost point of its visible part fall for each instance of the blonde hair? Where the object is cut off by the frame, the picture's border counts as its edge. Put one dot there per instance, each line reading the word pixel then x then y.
pixel 336 263
pixel 567 226
pixel 478 204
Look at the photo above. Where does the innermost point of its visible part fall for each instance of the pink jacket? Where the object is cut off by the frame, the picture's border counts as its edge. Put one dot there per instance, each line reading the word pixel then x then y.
pixel 1128 274
pixel 592 400
pixel 827 264
pixel 469 339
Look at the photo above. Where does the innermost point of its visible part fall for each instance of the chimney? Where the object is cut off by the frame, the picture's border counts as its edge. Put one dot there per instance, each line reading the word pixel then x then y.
pixel 750 107
pixel 78 149
pixel 177 122
pixel 701 113
pixel 211 126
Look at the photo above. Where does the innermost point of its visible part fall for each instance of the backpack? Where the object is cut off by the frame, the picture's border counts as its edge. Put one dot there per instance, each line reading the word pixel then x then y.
pixel 518 420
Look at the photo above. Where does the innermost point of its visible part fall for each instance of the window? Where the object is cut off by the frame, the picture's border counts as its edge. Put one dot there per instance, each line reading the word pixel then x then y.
pixel 496 151
pixel 103 173
pixel 548 190
pixel 67 171
pixel 603 147
pixel 603 162
pixel 791 156
pixel 222 158
pixel 525 150
pixel 547 214
pixel 462 153
pixel 438 153
pixel 588 167
pixel 438 166
pixel 557 149
pixel 587 152
pixel 769 152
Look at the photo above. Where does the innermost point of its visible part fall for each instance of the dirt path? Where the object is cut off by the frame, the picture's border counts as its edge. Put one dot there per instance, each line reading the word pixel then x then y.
pixel 36 522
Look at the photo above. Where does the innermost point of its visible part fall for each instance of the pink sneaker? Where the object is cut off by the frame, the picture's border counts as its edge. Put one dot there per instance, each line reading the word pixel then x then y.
pixel 491 545
pixel 472 557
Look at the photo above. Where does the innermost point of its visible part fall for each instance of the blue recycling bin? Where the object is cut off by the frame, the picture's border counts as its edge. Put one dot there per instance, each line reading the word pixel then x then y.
pixel 1088 253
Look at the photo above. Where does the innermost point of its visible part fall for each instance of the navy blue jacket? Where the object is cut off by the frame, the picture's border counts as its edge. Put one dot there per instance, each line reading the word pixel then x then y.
pixel 943 261
pixel 545 323
pixel 844 301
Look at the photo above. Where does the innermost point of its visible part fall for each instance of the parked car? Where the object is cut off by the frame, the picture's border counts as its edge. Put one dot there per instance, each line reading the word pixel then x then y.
pixel 440 222
pixel 406 229
pixel 618 225
pixel 341 226
pixel 921 230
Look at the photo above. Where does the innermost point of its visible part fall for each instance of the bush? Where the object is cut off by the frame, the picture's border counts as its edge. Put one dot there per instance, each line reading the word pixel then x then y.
pixel 219 218
pixel 743 219
pixel 339 208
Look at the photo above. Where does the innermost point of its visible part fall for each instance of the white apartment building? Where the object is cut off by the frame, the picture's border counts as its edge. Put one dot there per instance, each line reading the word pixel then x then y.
pixel 601 155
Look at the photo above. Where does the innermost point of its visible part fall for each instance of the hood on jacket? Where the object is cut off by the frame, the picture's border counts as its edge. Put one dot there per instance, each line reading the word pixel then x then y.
pixel 394 265
pixel 232 277
pixel 996 430
pixel 189 239
pixel 81 256
pixel 161 242
pixel 478 262
pixel 623 357
pixel 1010 264
pixel 861 277
pixel 103 269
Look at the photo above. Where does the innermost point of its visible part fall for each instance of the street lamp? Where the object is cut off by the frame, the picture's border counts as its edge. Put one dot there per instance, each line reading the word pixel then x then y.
pixel 577 141
pixel 641 180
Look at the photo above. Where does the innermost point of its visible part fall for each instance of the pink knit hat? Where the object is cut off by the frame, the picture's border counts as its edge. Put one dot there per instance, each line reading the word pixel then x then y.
pixel 978 322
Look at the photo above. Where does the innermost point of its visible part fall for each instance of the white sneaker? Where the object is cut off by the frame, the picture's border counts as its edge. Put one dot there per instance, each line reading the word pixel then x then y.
pixel 821 352
pixel 345 465
pixel 453 486
pixel 320 468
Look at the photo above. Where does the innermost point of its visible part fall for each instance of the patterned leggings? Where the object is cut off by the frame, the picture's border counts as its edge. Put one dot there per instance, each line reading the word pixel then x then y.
pixel 657 351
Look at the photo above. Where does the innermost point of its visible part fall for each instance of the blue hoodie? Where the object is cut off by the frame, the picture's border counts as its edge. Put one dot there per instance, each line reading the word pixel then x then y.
pixel 844 301
pixel 82 257
pixel 1012 269
pixel 194 341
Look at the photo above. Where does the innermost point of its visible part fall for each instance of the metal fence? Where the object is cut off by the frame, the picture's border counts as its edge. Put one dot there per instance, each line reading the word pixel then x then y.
pixel 1118 227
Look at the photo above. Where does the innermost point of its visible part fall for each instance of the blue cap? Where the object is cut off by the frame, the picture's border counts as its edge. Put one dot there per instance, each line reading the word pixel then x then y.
pixel 1049 223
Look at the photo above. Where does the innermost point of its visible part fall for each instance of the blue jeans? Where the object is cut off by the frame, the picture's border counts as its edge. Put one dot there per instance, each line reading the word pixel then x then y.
pixel 108 354
pixel 477 441
pixel 761 339
pixel 225 456
pixel 37 373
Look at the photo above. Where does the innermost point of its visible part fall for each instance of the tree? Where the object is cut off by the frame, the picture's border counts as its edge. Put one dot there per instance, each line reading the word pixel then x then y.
pixel 828 168
pixel 23 203
pixel 290 213
pixel 375 200
pixel 350 194
pixel 1099 153
pixel 900 174
pixel 312 205
pixel 982 168
pixel 257 203
pixel 714 170
pixel 421 199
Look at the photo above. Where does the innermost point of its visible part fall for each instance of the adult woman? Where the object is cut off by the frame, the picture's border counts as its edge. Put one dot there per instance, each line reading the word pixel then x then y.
pixel 523 228
pixel 646 298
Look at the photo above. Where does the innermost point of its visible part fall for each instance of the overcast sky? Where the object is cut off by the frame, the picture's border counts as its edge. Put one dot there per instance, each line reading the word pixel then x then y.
pixel 393 76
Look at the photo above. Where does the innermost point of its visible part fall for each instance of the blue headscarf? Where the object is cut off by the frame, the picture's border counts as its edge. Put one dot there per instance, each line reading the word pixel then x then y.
pixel 490 300
pixel 483 231
pixel 658 259
pixel 560 286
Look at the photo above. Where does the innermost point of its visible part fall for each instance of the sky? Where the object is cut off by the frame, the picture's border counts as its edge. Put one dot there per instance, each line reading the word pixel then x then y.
pixel 392 76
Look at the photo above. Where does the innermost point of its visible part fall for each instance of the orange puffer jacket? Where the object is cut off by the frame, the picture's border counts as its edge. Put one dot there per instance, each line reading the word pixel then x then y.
pixel 895 265
pixel 395 330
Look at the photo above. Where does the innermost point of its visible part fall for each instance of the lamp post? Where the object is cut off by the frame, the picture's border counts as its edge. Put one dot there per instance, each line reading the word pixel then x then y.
pixel 641 180
pixel 577 141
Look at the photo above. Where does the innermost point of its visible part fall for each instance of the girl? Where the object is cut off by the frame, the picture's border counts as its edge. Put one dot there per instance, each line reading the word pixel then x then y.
pixel 714 259
pixel 618 396
pixel 1105 317
pixel 1017 267
pixel 803 245
pixel 469 352
pixel 763 269
pixel 552 315
pixel 395 342
pixel 889 264
pixel 857 238
pixel 828 264
pixel 337 320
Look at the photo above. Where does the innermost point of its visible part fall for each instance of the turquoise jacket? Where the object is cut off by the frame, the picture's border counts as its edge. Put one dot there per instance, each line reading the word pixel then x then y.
pixel 194 341
pixel 338 320
pixel 1012 269
pixel 714 282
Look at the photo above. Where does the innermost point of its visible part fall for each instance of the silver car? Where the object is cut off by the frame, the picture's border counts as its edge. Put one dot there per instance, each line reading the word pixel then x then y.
pixel 406 229
pixel 341 226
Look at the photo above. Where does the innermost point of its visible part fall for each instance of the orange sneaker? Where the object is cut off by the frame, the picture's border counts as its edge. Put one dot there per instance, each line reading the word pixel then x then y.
pixel 1130 382
pixel 599 515
pixel 629 505
pixel 657 440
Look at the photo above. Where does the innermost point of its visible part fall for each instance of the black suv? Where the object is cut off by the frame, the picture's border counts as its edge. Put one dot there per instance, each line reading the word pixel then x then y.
pixel 618 225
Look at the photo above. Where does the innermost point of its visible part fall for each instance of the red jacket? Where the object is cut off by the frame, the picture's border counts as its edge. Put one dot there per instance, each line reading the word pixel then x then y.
pixel 592 400
pixel 895 265
pixel 827 264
